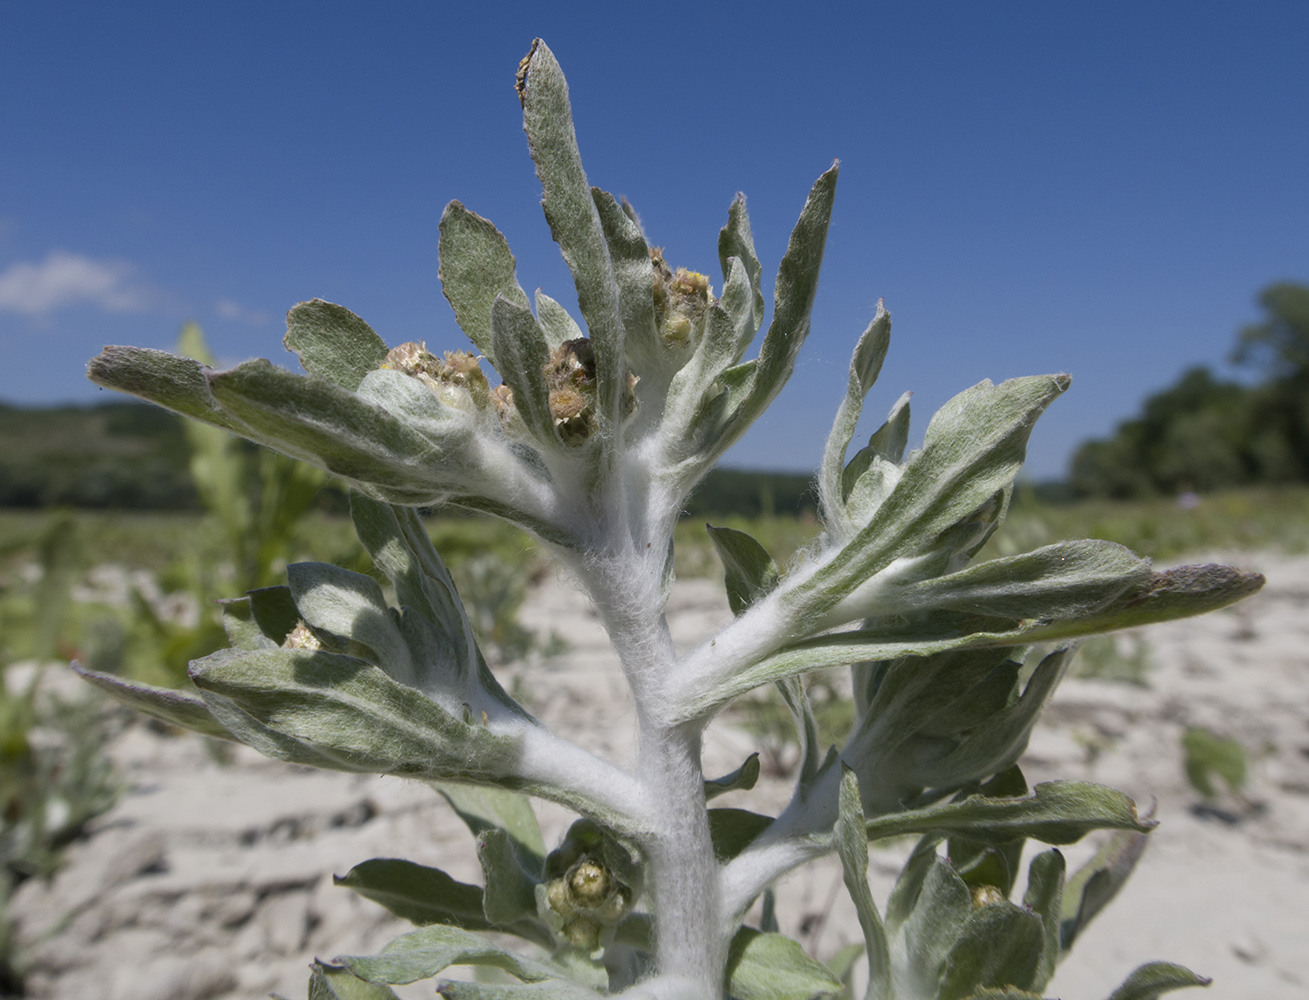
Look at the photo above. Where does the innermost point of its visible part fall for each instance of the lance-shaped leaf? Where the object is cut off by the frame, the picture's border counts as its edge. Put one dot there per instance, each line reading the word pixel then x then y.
pixel 998 743
pixel 796 700
pixel 1177 593
pixel 331 982
pixel 852 846
pixel 999 945
pixel 732 830
pixel 865 365
pixel 318 421
pixel 178 384
pixel 486 809
pixel 793 299
pixel 974 447
pixel 736 241
pixel 510 889
pixel 239 623
pixel 425 896
pixel 939 913
pixel 774 967
pixel 333 342
pixel 630 258
pixel 177 708
pixel 873 473
pixel 351 605
pixel 520 346
pixel 750 572
pixel 400 547
pixel 476 266
pixel 1093 885
pixel 1057 812
pixel 573 218
pixel 1044 897
pixel 423 953
pixel 549 989
pixel 1063 580
pixel 742 779
pixel 338 712
pixel 556 323
pixel 1150 981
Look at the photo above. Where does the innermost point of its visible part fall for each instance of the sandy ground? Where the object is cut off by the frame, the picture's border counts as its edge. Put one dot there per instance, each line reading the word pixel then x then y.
pixel 213 879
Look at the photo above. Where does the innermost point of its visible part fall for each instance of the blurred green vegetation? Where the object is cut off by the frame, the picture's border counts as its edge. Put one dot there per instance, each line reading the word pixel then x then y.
pixel 1203 434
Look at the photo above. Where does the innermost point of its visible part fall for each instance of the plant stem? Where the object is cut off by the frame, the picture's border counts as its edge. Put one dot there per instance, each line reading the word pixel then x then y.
pixel 682 872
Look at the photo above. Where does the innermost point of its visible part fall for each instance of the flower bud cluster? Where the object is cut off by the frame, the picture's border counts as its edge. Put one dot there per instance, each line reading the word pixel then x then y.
pixel 458 379
pixel 680 299
pixel 584 897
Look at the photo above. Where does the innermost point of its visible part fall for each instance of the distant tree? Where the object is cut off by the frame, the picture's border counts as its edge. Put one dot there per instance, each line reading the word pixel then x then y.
pixel 1280 344
pixel 1279 347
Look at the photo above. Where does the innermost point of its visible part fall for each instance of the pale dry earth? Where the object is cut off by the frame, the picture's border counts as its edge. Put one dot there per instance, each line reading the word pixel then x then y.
pixel 212 879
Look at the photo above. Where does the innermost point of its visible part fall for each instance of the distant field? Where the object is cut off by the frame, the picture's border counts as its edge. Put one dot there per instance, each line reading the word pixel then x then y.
pixel 1162 528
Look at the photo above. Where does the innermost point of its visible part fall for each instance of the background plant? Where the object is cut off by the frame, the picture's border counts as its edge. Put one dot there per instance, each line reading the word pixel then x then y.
pixel 592 444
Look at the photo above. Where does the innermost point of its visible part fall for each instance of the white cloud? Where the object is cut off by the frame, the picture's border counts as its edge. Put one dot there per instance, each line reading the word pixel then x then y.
pixel 232 310
pixel 69 279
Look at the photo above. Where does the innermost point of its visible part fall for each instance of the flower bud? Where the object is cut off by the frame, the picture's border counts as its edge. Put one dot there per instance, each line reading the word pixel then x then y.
pixel 458 379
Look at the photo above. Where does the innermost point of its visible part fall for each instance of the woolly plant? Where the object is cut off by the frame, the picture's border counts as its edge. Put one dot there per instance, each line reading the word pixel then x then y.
pixel 603 423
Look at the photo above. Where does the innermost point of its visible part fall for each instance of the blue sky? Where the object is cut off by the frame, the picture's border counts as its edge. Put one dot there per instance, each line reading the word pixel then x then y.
pixel 1100 188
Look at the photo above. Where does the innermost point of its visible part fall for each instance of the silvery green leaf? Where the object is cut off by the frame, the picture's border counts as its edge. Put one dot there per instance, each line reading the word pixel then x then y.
pixel 1153 979
pixel 705 391
pixel 939 913
pixel 177 708
pixel 573 218
pixel 274 612
pixel 1063 580
pixel 873 473
pixel 510 890
pixel 1056 812
pixel 865 365
pixel 400 547
pixel 630 258
pixel 1177 593
pixel 796 700
pixel 178 384
pixel 317 421
pixel 738 303
pixel 425 896
pixel 974 447
pixel 352 606
pixel 340 713
pixel 556 323
pixel 1092 886
pixel 793 299
pixel 476 266
pixel 750 572
pixel 239 623
pixel 333 342
pixel 999 945
pixel 998 743
pixel 520 346
pixel 736 241
pixel 331 982
pixel 423 953
pixel 982 865
pixel 549 989
pixel 1044 897
pixel 851 840
pixel 732 830
pixel 484 809
pixel 742 779
pixel 774 967
pixel 909 885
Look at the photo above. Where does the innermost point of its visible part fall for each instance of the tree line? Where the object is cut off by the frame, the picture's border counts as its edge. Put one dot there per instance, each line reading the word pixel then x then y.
pixel 1203 433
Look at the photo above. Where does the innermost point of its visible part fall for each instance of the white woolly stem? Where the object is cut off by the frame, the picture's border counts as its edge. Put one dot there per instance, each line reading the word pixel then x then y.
pixel 681 874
